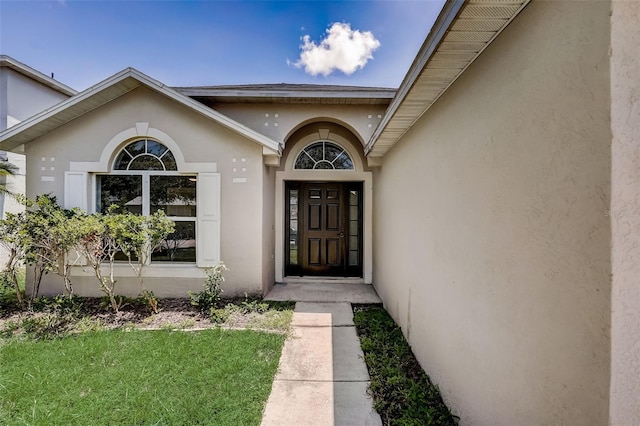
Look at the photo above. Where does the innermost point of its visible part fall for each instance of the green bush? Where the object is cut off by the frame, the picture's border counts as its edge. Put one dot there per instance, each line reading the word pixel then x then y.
pixel 58 304
pixel 210 297
pixel 403 394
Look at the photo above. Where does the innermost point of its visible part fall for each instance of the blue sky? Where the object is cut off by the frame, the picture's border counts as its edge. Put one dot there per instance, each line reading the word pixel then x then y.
pixel 189 43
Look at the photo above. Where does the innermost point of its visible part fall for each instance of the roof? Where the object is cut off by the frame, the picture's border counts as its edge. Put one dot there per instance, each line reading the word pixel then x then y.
pixel 106 91
pixel 9 62
pixel 290 93
pixel 460 34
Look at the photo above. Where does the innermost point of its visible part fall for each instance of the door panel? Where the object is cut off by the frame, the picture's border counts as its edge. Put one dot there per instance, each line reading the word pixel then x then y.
pixel 323 228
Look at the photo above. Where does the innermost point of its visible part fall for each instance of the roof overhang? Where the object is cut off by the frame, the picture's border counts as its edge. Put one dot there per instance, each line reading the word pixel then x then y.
pixel 290 94
pixel 460 34
pixel 106 91
pixel 19 67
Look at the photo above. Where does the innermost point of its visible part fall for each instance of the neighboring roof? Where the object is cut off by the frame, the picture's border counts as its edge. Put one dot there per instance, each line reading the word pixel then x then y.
pixel 460 34
pixel 290 93
pixel 106 91
pixel 9 62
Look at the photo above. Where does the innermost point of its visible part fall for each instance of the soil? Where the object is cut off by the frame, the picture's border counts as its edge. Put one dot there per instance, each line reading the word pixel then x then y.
pixel 173 313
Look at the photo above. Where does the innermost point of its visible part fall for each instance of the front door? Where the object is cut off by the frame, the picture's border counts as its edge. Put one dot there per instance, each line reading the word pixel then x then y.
pixel 324 228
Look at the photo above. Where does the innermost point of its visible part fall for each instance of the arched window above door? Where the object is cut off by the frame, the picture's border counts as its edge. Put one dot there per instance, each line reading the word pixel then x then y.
pixel 323 155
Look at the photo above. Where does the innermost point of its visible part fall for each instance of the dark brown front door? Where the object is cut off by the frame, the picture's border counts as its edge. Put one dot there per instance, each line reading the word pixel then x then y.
pixel 324 228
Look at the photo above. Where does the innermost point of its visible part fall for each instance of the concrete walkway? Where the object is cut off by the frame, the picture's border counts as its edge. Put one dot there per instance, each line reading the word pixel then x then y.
pixel 322 378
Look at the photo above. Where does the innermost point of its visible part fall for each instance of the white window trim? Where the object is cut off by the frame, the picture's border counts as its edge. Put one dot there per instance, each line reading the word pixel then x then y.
pixel 83 174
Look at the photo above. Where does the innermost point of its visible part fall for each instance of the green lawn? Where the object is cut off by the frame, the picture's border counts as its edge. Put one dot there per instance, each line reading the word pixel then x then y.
pixel 211 377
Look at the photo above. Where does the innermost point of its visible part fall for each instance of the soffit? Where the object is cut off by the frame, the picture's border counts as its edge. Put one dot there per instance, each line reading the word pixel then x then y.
pixel 461 32
pixel 290 94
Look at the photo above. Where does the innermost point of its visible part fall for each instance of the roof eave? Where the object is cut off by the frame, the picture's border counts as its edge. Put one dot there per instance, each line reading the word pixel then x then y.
pixel 119 84
pixel 450 14
pixel 9 62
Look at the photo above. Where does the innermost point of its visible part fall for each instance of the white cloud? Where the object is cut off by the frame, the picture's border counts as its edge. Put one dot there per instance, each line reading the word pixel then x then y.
pixel 342 49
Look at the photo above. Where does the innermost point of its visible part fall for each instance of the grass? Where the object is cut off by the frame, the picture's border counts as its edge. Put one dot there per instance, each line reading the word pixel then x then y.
pixel 403 394
pixel 160 377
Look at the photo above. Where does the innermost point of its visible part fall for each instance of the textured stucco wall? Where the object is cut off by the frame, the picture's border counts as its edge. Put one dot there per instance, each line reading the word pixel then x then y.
pixel 625 213
pixel 201 141
pixel 490 228
pixel 279 121
pixel 268 229
pixel 26 97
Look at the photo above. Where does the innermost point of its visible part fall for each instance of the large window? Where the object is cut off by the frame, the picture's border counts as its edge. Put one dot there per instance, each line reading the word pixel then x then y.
pixel 144 180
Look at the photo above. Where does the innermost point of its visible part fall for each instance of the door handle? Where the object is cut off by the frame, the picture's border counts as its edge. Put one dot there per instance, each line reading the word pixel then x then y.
pixel 342 235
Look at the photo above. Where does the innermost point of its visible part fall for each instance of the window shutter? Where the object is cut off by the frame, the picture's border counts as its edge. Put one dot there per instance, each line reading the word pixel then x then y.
pixel 208 226
pixel 75 195
pixel 75 190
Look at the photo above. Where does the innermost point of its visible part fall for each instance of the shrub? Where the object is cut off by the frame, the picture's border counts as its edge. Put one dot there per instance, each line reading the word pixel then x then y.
pixel 210 297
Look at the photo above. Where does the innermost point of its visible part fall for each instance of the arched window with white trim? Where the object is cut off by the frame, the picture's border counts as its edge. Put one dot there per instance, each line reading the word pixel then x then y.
pixel 323 155
pixel 144 179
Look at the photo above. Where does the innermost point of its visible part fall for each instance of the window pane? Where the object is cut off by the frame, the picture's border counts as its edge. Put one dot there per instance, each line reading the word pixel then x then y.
pixel 169 161
pixel 122 161
pixel 155 148
pixel 343 162
pixel 331 151
pixel 176 195
pixel 293 227
pixel 179 246
pixel 146 162
pixel 324 165
pixel 316 151
pixel 123 191
pixel 304 162
pixel 353 258
pixel 136 148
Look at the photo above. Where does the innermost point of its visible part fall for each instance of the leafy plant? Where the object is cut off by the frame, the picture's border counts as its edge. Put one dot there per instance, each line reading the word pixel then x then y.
pixel 58 304
pixel 99 244
pixel 54 233
pixel 15 240
pixel 141 234
pixel 210 297
pixel 403 393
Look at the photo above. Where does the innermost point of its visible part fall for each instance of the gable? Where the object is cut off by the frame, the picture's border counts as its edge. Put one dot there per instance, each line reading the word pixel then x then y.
pixel 105 92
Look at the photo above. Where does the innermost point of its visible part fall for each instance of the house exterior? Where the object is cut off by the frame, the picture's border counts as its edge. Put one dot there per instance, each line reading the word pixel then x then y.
pixel 24 92
pixel 491 200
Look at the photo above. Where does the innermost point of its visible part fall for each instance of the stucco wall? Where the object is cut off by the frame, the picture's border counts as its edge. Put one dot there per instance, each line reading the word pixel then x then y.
pixel 491 233
pixel 238 160
pixel 26 97
pixel 625 213
pixel 268 229
pixel 278 121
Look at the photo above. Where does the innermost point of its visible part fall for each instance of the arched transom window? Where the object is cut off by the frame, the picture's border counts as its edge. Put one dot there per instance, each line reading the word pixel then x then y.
pixel 145 154
pixel 145 179
pixel 323 155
